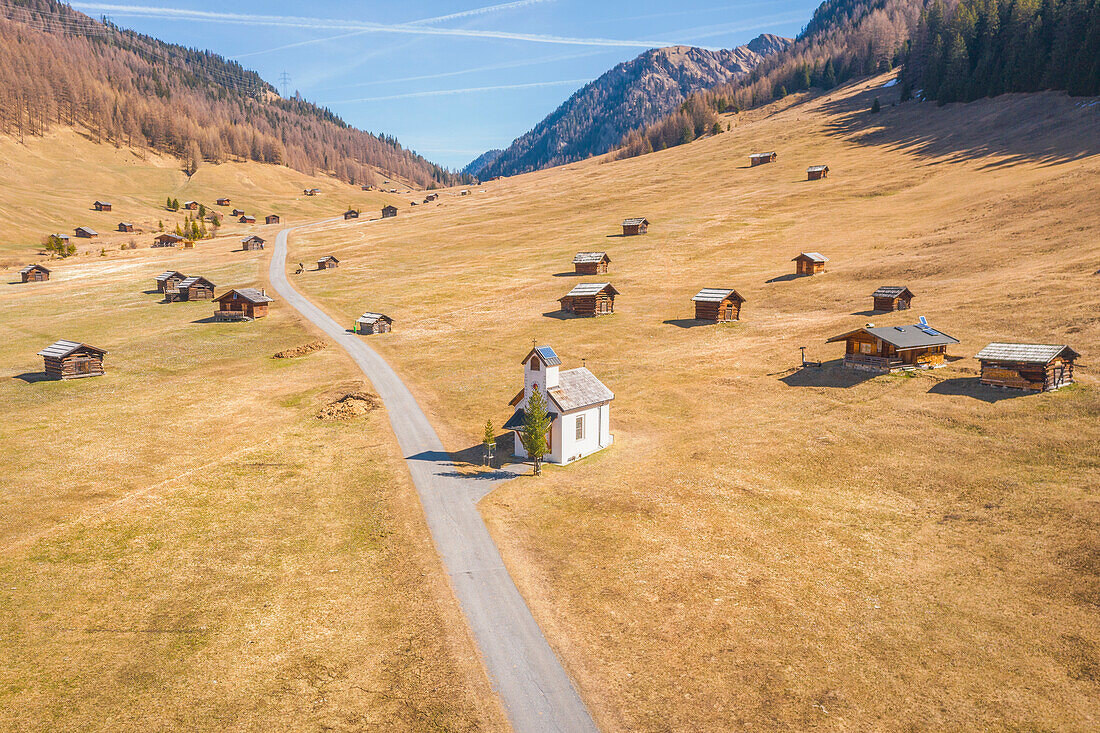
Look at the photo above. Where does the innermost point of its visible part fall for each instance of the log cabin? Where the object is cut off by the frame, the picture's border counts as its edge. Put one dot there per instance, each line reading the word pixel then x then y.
pixel 246 219
pixel 890 298
pixel 351 214
pixel 102 206
pixel 1032 367
pixel 809 263
pixel 166 240
pixel 242 304
pixel 195 288
pixel 579 406
pixel 311 191
pixel 272 219
pixel 761 158
pixel 169 280
pixel 72 360
pixel 373 323
pixel 190 205
pixel 718 305
pixel 591 263
pixel 817 172
pixel 894 348
pixel 328 262
pixel 238 212
pixel 125 226
pixel 633 227
pixel 223 201
pixel 86 233
pixel 34 274
pixel 388 212
pixel 252 243
pixel 590 299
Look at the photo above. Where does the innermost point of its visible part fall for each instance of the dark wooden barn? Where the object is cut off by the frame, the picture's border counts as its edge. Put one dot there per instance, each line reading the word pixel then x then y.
pixel 34 274
pixel 72 360
pixel 223 201
pixel 242 304
pixel 809 263
pixel 125 226
pixel 272 219
pixel 372 323
pixel 718 305
pixel 101 206
pixel 247 219
pixel 328 262
pixel 252 243
pixel 892 298
pixel 761 158
pixel 190 205
pixel 388 212
pixel 894 348
pixel 632 227
pixel 817 172
pixel 196 288
pixel 590 299
pixel 591 263
pixel 86 233
pixel 238 212
pixel 166 240
pixel 351 214
pixel 169 280
pixel 1034 367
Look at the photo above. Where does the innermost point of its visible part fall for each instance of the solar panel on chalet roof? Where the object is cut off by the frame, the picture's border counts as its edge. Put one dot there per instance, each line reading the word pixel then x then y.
pixel 548 356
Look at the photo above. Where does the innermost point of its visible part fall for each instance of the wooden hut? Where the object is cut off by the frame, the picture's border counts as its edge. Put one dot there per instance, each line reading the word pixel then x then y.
pixel 373 323
pixel 169 280
pixel 190 205
pixel 351 214
pixel 167 240
pixel 72 360
pixel 388 212
pixel 894 348
pixel 102 206
pixel 311 191
pixel 86 233
pixel 223 201
pixel 246 219
pixel 718 305
pixel 34 274
pixel 1034 367
pixel 125 226
pixel 892 298
pixel 591 263
pixel 632 227
pixel 252 243
pixel 196 288
pixel 761 158
pixel 817 172
pixel 242 304
pixel 809 263
pixel 237 212
pixel 328 262
pixel 272 219
pixel 590 299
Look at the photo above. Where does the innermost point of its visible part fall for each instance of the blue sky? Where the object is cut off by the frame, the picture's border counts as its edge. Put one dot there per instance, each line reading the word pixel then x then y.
pixel 449 79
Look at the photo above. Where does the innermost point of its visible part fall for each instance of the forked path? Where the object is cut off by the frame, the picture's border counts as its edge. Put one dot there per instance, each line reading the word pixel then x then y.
pixel 537 693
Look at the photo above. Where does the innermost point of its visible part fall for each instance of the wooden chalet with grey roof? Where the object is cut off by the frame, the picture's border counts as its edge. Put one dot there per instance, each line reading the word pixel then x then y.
pixel 809 263
pixel 247 219
pixel 169 280
pixel 72 360
pixel 102 206
pixel 590 299
pixel 1033 367
pixel 238 212
pixel 633 227
pixel 86 233
pixel 242 304
pixel 373 323
pixel 223 201
pixel 579 406
pixel 817 172
pixel 388 212
pixel 195 287
pixel 351 214
pixel 761 158
pixel 190 205
pixel 591 263
pixel 166 240
pixel 895 348
pixel 328 262
pixel 892 298
pixel 311 191
pixel 272 219
pixel 252 243
pixel 34 274
pixel 718 305
pixel 125 226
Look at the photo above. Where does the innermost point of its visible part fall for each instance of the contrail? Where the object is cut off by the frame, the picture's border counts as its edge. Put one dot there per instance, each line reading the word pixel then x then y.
pixel 468 90
pixel 144 11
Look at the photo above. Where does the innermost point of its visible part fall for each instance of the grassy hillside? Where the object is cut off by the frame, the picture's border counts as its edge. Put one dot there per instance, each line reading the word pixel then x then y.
pixel 764 546
pixel 185 545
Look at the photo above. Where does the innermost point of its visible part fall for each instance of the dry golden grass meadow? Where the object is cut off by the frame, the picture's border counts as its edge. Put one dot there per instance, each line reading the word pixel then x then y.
pixel 763 548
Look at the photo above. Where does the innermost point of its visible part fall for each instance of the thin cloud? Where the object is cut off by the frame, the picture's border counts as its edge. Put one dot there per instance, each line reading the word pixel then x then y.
pixel 144 11
pixel 468 90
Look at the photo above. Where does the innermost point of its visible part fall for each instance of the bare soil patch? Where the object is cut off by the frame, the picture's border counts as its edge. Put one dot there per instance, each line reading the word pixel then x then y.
pixel 298 351
pixel 350 406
